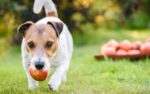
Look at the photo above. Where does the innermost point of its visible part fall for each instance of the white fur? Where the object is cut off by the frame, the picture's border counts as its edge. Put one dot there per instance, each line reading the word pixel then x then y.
pixel 62 58
pixel 60 61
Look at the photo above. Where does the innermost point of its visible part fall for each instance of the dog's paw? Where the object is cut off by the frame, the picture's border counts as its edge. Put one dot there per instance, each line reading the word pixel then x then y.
pixel 53 87
pixel 54 83
pixel 64 78
pixel 33 86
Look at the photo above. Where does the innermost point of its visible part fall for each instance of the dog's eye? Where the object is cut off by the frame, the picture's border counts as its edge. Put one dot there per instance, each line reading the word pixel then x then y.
pixel 31 44
pixel 49 44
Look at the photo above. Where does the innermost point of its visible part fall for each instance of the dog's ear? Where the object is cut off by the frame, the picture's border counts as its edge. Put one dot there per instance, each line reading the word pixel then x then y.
pixel 58 27
pixel 24 27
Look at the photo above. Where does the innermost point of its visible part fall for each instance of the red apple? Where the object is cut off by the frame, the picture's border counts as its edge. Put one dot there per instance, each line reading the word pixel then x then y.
pixel 145 48
pixel 121 52
pixel 38 75
pixel 108 51
pixel 112 43
pixel 125 45
pixel 136 45
pixel 133 52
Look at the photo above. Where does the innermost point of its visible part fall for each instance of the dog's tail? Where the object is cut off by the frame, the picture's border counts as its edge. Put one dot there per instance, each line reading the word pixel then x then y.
pixel 48 5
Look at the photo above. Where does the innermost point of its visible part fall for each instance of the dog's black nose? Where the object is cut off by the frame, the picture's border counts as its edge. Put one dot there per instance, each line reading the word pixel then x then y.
pixel 39 65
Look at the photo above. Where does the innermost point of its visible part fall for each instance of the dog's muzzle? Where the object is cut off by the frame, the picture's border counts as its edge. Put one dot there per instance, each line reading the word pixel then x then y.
pixel 39 65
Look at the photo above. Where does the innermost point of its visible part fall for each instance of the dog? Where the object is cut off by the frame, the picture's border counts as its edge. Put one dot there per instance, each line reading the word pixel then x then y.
pixel 46 44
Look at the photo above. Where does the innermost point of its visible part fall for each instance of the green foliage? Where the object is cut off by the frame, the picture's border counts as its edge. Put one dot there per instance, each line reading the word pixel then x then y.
pixel 8 6
pixel 7 26
pixel 138 21
pixel 4 46
pixel 82 16
pixel 9 19
pixel 110 14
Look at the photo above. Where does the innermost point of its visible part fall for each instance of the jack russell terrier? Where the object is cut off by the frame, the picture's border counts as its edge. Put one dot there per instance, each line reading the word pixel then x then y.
pixel 46 44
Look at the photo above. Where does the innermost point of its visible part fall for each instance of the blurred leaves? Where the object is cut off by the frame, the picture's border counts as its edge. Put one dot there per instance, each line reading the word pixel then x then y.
pixel 138 21
pixel 79 4
pixel 80 15
pixel 7 26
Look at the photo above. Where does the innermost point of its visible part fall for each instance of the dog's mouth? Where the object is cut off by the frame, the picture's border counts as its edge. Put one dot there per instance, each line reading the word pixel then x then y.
pixel 39 70
pixel 38 74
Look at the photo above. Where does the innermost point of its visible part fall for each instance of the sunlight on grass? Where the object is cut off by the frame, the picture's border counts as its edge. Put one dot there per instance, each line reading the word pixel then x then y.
pixel 103 35
pixel 139 34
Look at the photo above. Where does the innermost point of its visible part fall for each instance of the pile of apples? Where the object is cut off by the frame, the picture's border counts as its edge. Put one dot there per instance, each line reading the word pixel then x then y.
pixel 125 47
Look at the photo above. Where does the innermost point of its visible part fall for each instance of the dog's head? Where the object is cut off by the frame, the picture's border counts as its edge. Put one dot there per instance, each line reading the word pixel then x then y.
pixel 41 42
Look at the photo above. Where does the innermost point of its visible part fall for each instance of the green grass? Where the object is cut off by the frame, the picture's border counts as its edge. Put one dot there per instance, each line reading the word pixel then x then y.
pixel 86 75
pixel 100 36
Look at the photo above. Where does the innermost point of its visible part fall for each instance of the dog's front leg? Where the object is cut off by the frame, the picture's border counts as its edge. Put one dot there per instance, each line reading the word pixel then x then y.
pixel 59 75
pixel 32 84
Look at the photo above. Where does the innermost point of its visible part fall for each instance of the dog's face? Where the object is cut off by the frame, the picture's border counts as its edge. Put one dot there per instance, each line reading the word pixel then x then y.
pixel 41 42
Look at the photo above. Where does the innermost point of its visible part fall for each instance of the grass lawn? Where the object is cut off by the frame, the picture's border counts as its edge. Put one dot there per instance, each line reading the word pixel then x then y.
pixel 86 75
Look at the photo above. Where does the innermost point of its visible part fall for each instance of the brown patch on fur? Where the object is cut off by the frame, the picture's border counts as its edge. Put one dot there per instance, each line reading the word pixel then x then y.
pixel 53 14
pixel 40 34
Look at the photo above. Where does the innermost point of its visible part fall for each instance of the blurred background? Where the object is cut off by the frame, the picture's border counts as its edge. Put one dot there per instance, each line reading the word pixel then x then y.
pixel 92 23
pixel 85 18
